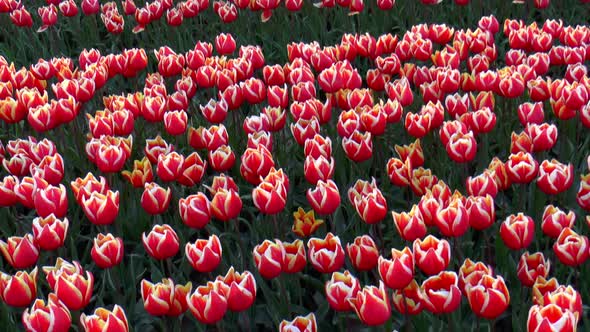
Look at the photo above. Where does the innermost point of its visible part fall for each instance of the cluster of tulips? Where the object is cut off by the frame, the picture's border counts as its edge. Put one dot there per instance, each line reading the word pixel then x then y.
pixel 176 14
pixel 451 70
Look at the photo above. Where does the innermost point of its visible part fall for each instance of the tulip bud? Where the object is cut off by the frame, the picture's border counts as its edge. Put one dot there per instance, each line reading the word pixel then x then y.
pixel 18 290
pixel 532 266
pixel 107 251
pixel 363 253
pixel 155 199
pixel 431 254
pixel 326 255
pixel 440 293
pixel 371 305
pixel 269 258
pixel 398 272
pixel 20 252
pixel 489 298
pixel 52 315
pixel 161 242
pixel 571 248
pixel 204 255
pixel 300 323
pixel 517 231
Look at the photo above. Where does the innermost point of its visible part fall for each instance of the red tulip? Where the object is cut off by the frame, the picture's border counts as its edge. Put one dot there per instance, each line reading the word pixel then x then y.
pixel 571 248
pixel 521 167
pixel 555 220
pixel 340 288
pixel 440 293
pixel 532 266
pixel 410 225
pixel 409 299
pixel 165 298
pixel 18 290
pixel 161 242
pixel 363 253
pixel 398 272
pixel 551 318
pixel 325 198
pixel 300 323
pixel 20 252
pixel 240 289
pixel 269 258
pixel 326 255
pixel 204 255
pixel 371 305
pixel 489 298
pixel 72 285
pixel 107 250
pixel 105 320
pixel 452 220
pixel 101 209
pixel 50 233
pixel 195 210
pixel 226 204
pixel 155 199
pixel 431 254
pixel 50 316
pixel 517 231
pixel 554 177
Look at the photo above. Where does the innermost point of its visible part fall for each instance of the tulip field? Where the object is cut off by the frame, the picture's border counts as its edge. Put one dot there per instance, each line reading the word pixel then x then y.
pixel 268 165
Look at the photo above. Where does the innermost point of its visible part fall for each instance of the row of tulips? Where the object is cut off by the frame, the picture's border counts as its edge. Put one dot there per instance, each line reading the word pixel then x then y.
pixel 316 82
pixel 175 14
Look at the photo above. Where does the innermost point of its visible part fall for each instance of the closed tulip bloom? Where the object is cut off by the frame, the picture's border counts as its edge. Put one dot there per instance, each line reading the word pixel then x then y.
pixel 470 273
pixel 161 242
pixel 326 255
pixel 226 204
pixel 269 258
pixel 522 167
pixel 101 209
pixel 155 199
pixel 410 225
pixel 440 293
pixel 341 287
pixel 18 290
pixel 72 285
pixel 50 232
pixel 358 147
pixel 204 255
pixel 409 299
pixel 175 122
pixel 195 210
pixel 107 250
pixel 462 147
pixel 517 231
pixel 500 172
pixel 305 223
pixel 551 318
pixel 270 198
pixel 397 272
pixel 363 253
pixel 295 258
pixel 371 305
pixel 104 320
pixel 169 166
pixel 20 252
pixel 320 168
pixel 532 266
pixel 239 289
pixel 50 316
pixel 482 185
pixel 51 200
pixel 555 177
pixel 7 194
pixel 399 172
pixel 452 220
pixel 164 298
pixel 489 298
pixel 325 198
pixel 555 220
pixel 583 195
pixel 300 323
pixel 431 254
pixel 222 159
pixel 571 248
pixel 543 136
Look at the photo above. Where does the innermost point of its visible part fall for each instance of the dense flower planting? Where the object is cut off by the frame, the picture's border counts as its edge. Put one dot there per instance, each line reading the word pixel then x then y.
pixel 438 177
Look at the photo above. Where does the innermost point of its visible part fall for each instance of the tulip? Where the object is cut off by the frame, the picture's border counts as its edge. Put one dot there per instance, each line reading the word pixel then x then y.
pixel 363 253
pixel 421 179
pixel 410 225
pixel 440 293
pixel 470 273
pixel 51 200
pixel 489 298
pixel 398 272
pixel 399 172
pixel 305 223
pixel 532 266
pixel 226 205
pixel 325 198
pixel 269 258
pixel 521 167
pixel 555 220
pixel 326 255
pixel 107 251
pixel 72 285
pixel 482 185
pixel 50 232
pixel 555 177
pixel 7 194
pixel 300 323
pixel 295 259
pixel 141 174
pixel 452 220
pixel 270 198
pixel 208 303
pixel 371 305
pixel 155 199
pixel 431 254
pixel 517 231
pixel 105 320
pixel 551 318
pixel 165 298
pixel 571 248
pixel 240 289
pixel 358 147
pixel 50 316
pixel 161 242
pixel 340 288
pixel 20 252
pixel 18 290
pixel 169 166
pixel 101 209
pixel 204 255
